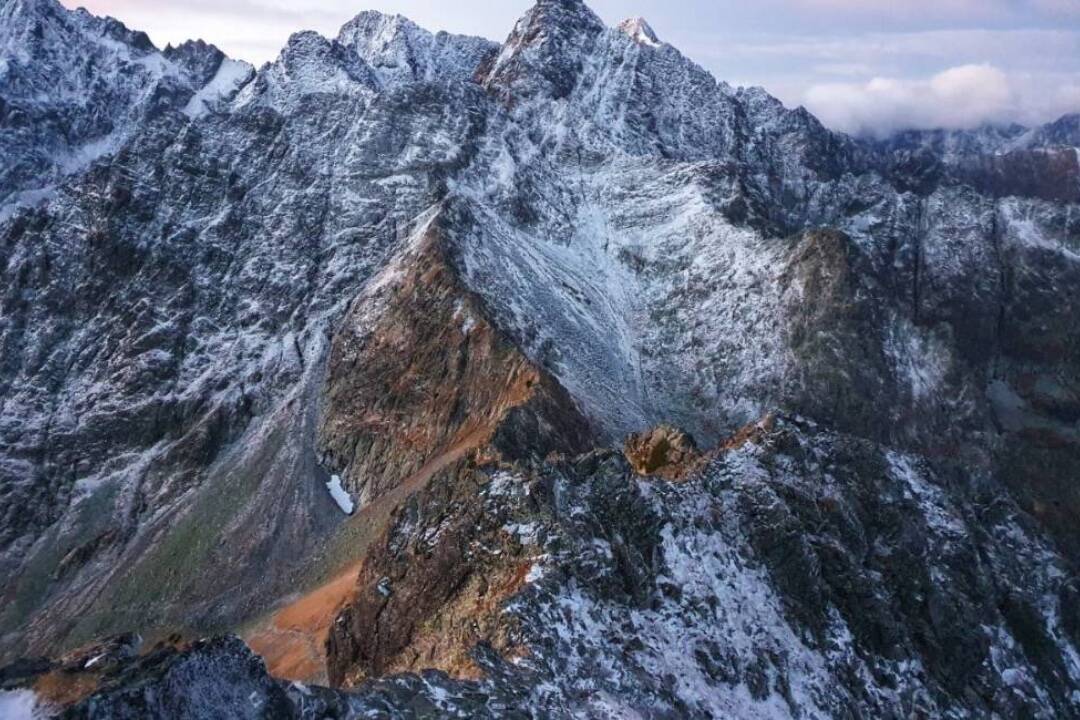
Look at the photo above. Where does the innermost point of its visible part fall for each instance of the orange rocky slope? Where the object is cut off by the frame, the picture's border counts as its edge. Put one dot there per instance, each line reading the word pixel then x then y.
pixel 418 378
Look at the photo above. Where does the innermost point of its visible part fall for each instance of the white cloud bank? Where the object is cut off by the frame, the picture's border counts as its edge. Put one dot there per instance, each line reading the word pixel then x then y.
pixel 961 97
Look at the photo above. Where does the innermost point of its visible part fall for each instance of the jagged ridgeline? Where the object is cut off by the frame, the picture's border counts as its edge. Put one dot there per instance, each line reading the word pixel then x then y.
pixel 551 378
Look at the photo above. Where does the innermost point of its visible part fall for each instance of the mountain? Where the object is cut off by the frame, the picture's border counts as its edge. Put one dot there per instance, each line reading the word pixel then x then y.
pixel 544 379
pixel 76 87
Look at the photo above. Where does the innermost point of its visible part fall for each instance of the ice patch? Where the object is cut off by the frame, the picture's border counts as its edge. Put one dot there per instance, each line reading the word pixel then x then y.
pixel 341 497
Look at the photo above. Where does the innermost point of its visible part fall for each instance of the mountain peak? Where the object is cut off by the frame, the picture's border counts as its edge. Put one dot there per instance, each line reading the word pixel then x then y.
pixel 640 31
pixel 547 45
pixel 559 17
pixel 372 22
pixel 399 50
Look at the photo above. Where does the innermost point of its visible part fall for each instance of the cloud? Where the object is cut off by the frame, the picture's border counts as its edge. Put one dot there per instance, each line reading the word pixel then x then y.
pixel 1069 9
pixel 929 50
pixel 961 97
pixel 914 10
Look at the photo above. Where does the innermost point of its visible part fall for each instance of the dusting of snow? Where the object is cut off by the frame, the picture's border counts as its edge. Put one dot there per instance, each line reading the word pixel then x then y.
pixel 932 501
pixel 919 359
pixel 640 31
pixel 229 77
pixel 1023 227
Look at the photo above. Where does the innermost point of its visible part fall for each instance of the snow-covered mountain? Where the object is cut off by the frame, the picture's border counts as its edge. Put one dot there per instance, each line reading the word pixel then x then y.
pixel 76 88
pixel 448 278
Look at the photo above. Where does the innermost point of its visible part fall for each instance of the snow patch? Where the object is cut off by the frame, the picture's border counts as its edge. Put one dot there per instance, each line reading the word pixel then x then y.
pixel 20 705
pixel 932 501
pixel 640 32
pixel 527 533
pixel 340 496
pixel 535 574
pixel 918 360
pixel 504 484
pixel 26 198
pixel 464 318
pixel 230 76
pixel 95 660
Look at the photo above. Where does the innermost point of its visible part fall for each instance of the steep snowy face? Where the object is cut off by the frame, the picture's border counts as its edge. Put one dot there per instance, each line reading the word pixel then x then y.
pixel 400 51
pixel 640 30
pixel 545 52
pixel 625 228
pixel 311 66
pixel 75 87
pixel 374 53
pixel 1064 131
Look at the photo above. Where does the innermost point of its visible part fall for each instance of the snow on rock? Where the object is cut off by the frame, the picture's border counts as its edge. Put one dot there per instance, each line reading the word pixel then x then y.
pixel 84 86
pixel 631 224
pixel 340 495
pixel 400 51
pixel 640 30
pixel 20 705
pixel 229 78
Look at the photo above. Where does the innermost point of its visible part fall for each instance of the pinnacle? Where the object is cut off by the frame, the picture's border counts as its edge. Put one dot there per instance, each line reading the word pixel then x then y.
pixel 566 13
pixel 640 31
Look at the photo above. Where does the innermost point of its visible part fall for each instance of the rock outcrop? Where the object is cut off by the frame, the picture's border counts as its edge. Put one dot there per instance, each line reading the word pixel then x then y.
pixel 418 372
pixel 665 452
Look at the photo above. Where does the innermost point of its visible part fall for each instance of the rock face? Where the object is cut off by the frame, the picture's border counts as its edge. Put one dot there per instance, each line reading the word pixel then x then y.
pixel 803 573
pixel 456 276
pixel 417 372
pixel 664 451
pixel 77 87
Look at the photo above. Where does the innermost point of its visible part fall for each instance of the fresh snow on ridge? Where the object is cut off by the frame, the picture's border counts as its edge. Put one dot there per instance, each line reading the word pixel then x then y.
pixel 229 78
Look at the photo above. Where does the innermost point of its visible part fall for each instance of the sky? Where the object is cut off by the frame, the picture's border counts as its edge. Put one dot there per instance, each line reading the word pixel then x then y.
pixel 862 66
